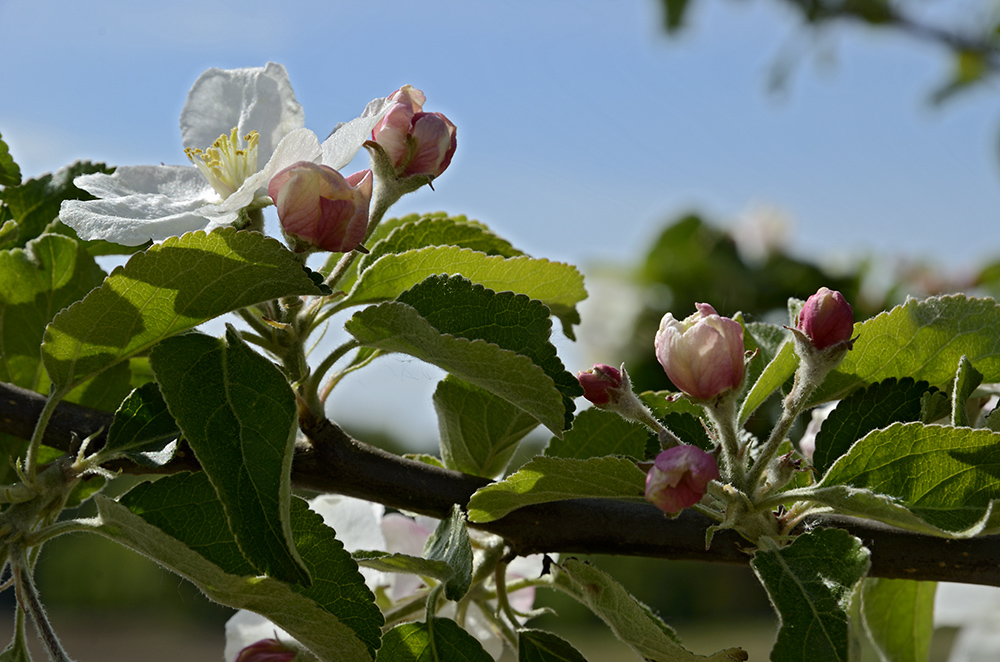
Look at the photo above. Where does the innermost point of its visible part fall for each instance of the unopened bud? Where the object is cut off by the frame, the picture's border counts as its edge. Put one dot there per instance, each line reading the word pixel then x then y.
pixel 679 478
pixel 266 650
pixel 826 319
pixel 703 355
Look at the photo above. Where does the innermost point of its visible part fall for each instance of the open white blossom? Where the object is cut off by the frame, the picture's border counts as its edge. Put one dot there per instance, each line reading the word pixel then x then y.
pixel 364 525
pixel 233 121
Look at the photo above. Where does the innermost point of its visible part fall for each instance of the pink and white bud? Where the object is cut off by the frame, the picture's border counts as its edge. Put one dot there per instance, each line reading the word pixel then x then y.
pixel 703 354
pixel 267 650
pixel 415 142
pixel 679 478
pixel 600 384
pixel 321 209
pixel 826 318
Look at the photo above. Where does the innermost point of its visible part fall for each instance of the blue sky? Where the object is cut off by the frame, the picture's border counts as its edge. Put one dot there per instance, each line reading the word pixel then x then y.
pixel 581 125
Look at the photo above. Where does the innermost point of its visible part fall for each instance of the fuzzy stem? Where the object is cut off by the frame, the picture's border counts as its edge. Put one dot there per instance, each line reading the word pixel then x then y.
pixel 27 597
pixel 722 413
pixel 31 458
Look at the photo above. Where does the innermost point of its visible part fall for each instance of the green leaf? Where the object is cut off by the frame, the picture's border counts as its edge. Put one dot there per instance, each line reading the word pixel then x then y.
pixel 899 617
pixel 923 340
pixel 542 646
pixel 877 406
pixel 772 377
pixel 479 431
pixel 764 341
pixel 8 235
pixel 596 433
pixel 172 287
pixel 559 286
pixel 683 417
pixel 811 584
pixel 967 380
pixel 397 327
pixel 946 476
pixel 545 479
pixel 450 543
pixel 239 415
pixel 35 203
pixel 36 282
pixel 179 522
pixel 10 173
pixel 439 640
pixel 142 427
pixel 633 622
pixel 396 562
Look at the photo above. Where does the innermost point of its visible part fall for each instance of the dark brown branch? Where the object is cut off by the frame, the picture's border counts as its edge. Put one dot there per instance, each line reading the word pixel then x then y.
pixel 334 462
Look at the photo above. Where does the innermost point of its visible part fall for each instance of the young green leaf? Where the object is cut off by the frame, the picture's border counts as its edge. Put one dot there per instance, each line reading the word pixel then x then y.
pixel 396 562
pixel 631 621
pixel 142 427
pixel 774 375
pixel 871 408
pixel 596 433
pixel 438 640
pixel 545 479
pixel 8 234
pixel 542 646
pixel 239 416
pixel 763 341
pixel 899 617
pixel 683 417
pixel 811 584
pixel 923 340
pixel 946 476
pixel 10 173
pixel 397 327
pixel 450 543
pixel 172 287
pixel 967 380
pixel 479 431
pixel 559 286
pixel 179 522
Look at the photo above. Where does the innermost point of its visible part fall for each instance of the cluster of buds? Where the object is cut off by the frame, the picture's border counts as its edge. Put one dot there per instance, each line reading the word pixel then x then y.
pixel 319 209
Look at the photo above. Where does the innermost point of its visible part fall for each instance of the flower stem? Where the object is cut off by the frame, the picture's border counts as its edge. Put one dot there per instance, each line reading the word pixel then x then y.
pixel 27 598
pixel 383 197
pixel 722 413
pixel 31 458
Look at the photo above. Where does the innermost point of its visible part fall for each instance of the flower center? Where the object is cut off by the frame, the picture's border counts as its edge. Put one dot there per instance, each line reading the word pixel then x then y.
pixel 224 164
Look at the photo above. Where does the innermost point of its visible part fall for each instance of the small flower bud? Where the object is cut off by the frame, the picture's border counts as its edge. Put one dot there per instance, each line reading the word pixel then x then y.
pixel 826 318
pixel 679 478
pixel 266 650
pixel 319 208
pixel 600 383
pixel 415 142
pixel 703 355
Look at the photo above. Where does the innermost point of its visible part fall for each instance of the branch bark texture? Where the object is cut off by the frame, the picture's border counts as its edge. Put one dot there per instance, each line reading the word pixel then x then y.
pixel 333 462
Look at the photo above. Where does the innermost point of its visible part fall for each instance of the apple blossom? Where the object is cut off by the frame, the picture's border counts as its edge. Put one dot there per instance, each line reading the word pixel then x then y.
pixel 703 354
pixel 679 478
pixel 415 142
pixel 319 208
pixel 826 319
pixel 137 204
pixel 600 383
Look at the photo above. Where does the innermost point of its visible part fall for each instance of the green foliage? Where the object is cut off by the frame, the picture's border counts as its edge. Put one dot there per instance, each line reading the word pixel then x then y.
pixel 396 562
pixel 398 327
pixel 545 479
pixel 335 617
pixel 899 617
pixel 142 427
pixel 542 646
pixel 811 584
pixel 967 380
pixel 239 415
pixel 479 431
pixel 680 415
pixel 169 288
pixel 10 172
pixel 35 203
pixel 877 406
pixel 437 640
pixel 450 543
pixel 946 476
pixel 631 621
pixel 597 433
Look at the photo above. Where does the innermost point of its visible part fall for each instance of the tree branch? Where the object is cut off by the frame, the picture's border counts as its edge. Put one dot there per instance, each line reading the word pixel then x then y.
pixel 334 462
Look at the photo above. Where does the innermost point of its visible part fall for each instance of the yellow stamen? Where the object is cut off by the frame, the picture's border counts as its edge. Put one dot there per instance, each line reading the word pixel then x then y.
pixel 224 164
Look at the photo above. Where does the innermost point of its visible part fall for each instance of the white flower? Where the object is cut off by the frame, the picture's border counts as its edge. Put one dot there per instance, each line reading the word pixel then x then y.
pixel 141 203
pixel 364 525
pixel 976 611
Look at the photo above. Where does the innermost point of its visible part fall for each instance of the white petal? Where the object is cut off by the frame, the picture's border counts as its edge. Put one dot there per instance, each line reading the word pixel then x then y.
pixel 142 203
pixel 977 642
pixel 347 137
pixel 254 99
pixel 245 628
pixel 958 604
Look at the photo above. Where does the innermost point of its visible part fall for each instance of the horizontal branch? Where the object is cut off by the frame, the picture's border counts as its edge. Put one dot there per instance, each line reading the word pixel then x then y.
pixel 335 463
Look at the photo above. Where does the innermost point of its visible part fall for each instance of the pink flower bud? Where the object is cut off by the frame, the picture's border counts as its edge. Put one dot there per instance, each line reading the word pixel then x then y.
pixel 415 142
pixel 826 318
pixel 319 208
pixel 600 383
pixel 679 478
pixel 266 650
pixel 702 355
